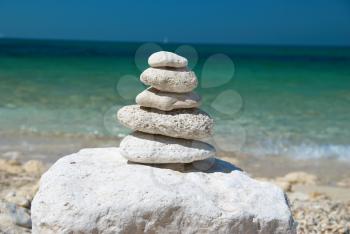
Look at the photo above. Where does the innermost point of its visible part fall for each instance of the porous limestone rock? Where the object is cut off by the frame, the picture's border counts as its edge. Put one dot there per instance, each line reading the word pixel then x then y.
pixel 177 80
pixel 166 101
pixel 166 59
pixel 98 191
pixel 184 123
pixel 147 148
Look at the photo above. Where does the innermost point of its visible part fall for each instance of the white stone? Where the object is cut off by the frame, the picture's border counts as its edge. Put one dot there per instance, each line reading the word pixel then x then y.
pixel 98 191
pixel 166 101
pixel 170 80
pixel 184 123
pixel 147 148
pixel 166 59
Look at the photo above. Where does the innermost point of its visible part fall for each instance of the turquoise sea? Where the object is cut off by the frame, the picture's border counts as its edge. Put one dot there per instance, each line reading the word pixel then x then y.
pixel 285 101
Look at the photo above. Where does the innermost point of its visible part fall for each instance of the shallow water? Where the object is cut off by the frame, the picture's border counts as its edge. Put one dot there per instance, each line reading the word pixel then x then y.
pixel 265 100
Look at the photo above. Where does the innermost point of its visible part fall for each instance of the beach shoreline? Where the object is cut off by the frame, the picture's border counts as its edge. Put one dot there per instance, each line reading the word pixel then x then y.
pixel 49 148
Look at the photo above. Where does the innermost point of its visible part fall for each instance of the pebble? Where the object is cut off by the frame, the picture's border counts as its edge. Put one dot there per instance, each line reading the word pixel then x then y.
pixel 344 183
pixel 147 148
pixel 10 166
pixel 19 215
pixel 300 177
pixel 166 59
pixel 291 179
pixel 22 196
pixel 184 123
pixel 166 101
pixel 170 80
pixel 17 198
pixel 34 167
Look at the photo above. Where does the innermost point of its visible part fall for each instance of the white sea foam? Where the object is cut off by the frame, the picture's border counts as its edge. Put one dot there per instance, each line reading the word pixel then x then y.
pixel 301 151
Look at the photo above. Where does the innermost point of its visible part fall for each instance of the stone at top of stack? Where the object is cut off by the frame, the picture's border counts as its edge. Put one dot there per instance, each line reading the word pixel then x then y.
pixel 167 59
pixel 167 109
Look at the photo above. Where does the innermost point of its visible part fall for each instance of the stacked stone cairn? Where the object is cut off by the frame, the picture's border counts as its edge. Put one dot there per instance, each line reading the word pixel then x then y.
pixel 166 120
pixel 84 193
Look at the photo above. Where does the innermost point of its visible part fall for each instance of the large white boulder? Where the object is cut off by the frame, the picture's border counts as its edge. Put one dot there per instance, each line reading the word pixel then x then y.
pixel 148 148
pixel 98 191
pixel 181 123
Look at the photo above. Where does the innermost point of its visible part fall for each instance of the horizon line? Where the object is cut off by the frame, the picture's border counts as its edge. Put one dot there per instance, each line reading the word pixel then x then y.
pixel 3 37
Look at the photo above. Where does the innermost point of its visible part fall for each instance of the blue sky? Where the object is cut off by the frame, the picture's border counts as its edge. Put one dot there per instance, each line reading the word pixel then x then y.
pixel 293 22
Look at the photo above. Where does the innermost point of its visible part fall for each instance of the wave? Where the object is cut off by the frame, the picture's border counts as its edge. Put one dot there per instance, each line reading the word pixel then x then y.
pixel 301 151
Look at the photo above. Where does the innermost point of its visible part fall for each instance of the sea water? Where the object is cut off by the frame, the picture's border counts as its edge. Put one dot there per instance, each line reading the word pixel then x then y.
pixel 285 101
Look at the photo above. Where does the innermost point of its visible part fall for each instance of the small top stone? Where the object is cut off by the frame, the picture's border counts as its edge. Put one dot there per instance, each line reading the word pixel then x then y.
pixel 167 59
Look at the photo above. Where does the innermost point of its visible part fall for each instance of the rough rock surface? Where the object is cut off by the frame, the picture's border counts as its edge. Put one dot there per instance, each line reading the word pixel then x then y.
pixel 18 184
pixel 170 79
pixel 97 191
pixel 166 59
pixel 184 123
pixel 166 101
pixel 147 148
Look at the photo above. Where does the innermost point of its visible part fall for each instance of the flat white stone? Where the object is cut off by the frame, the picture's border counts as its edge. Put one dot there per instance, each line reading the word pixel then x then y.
pixel 170 79
pixel 148 148
pixel 184 123
pixel 166 59
pixel 98 191
pixel 166 101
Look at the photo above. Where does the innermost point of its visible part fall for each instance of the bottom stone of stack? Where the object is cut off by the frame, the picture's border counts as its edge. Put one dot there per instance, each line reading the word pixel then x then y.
pixel 98 191
pixel 148 148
